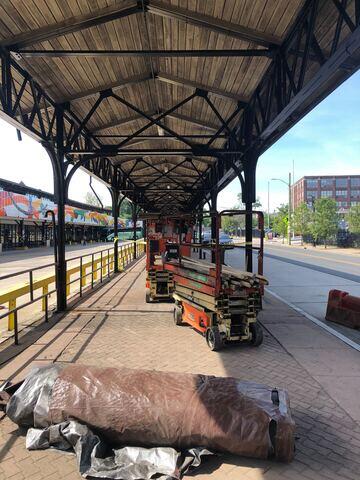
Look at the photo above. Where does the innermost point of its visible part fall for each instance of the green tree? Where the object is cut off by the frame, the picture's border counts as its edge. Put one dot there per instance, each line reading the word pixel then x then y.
pixel 325 219
pixel 126 209
pixel 90 199
pixel 302 218
pixel 241 206
pixel 231 224
pixel 353 218
pixel 281 221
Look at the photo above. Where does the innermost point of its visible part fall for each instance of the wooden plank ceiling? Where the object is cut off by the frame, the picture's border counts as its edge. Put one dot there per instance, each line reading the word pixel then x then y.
pixel 152 84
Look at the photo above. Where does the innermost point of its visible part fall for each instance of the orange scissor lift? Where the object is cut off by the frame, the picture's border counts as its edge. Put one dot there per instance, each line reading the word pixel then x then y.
pixel 220 302
pixel 164 235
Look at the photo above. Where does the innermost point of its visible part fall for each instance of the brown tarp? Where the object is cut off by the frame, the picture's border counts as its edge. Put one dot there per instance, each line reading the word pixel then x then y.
pixel 150 408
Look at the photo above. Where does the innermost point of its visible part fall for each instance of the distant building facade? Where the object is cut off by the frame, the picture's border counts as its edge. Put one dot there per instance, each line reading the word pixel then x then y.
pixel 344 189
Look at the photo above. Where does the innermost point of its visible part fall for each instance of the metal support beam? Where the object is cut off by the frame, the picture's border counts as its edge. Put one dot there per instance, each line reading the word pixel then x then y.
pixel 134 219
pixel 145 53
pixel 200 223
pixel 116 202
pixel 173 80
pixel 213 197
pixel 58 162
pixel 71 25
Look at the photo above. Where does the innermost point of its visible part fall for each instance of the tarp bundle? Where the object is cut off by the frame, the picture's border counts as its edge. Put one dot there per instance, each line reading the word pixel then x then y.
pixel 83 406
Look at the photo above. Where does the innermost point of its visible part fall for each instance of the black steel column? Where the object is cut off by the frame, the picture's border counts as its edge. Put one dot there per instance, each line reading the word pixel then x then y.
pixel 134 219
pixel 213 222
pixel 200 221
pixel 115 211
pixel 248 198
pixel 57 158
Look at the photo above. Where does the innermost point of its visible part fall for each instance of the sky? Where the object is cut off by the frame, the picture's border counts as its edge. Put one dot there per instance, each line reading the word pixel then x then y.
pixel 325 142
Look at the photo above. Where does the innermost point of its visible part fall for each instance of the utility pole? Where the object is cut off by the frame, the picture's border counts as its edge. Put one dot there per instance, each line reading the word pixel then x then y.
pixel 268 209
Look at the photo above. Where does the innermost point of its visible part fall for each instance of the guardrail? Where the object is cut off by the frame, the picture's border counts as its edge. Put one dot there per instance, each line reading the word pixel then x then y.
pixel 96 265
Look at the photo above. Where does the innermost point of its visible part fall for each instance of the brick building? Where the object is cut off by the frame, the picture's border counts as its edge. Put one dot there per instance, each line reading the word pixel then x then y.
pixel 344 189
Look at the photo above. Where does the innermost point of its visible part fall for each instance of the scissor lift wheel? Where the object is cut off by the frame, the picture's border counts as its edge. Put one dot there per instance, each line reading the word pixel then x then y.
pixel 257 335
pixel 213 339
pixel 178 314
pixel 147 296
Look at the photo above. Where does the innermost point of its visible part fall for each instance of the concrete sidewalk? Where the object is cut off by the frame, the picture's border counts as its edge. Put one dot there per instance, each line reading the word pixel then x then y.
pixel 114 326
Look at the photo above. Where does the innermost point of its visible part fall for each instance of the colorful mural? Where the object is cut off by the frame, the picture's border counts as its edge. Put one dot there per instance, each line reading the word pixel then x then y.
pixel 31 207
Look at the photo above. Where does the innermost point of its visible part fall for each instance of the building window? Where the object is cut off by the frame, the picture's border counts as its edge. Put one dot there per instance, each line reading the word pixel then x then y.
pixel 353 204
pixel 326 182
pixel 326 193
pixel 341 193
pixel 311 195
pixel 355 182
pixel 341 204
pixel 341 182
pixel 311 183
pixel 355 193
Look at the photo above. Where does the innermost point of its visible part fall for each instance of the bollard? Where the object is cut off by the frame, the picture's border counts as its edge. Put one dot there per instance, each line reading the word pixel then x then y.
pixel 83 277
pixel 11 318
pixel 45 290
pixel 67 284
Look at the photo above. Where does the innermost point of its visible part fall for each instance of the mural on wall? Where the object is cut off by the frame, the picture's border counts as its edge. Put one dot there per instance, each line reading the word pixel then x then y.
pixel 31 207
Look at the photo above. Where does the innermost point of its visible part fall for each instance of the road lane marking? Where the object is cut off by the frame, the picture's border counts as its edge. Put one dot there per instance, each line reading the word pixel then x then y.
pixel 321 257
pixel 318 322
pixel 317 268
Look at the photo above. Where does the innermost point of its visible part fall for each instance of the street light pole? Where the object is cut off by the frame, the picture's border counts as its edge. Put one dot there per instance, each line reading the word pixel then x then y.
pixel 268 209
pixel 289 205
pixel 289 214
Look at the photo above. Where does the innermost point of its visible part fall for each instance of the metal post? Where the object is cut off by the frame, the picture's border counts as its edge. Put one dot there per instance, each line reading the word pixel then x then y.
pixel 268 209
pixel 214 223
pixel 248 237
pixel 57 159
pixel 115 209
pixel 289 211
pixel 200 220
pixel 134 219
pixel 248 198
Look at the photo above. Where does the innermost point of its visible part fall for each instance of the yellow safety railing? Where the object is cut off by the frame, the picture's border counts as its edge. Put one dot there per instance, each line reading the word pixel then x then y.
pixel 95 268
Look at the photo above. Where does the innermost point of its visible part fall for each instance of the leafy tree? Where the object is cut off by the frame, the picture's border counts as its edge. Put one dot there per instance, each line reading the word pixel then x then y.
pixel 353 219
pixel 241 205
pixel 302 218
pixel 325 219
pixel 125 209
pixel 231 224
pixel 90 199
pixel 281 221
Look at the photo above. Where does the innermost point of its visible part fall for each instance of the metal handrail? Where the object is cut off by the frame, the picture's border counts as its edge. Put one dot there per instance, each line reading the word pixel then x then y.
pixel 107 265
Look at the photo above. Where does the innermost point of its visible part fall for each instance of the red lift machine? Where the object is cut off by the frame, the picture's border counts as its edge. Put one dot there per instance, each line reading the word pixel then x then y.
pixel 164 234
pixel 219 302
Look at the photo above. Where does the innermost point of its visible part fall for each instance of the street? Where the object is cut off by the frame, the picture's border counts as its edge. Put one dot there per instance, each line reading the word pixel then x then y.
pixel 303 277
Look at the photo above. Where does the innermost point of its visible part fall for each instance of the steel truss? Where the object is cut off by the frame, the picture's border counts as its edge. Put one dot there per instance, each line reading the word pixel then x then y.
pixel 301 73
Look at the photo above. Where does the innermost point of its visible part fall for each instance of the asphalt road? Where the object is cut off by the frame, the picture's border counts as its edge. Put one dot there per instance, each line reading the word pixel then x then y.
pixel 304 277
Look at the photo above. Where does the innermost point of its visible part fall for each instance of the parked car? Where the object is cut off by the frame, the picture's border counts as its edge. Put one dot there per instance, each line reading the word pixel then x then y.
pixel 206 237
pixel 225 239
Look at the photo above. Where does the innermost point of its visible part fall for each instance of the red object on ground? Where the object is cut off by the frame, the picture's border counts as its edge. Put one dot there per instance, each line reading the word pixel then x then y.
pixel 343 308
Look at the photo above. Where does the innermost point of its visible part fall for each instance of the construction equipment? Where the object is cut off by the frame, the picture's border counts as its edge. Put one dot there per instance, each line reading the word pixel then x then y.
pixel 163 237
pixel 220 302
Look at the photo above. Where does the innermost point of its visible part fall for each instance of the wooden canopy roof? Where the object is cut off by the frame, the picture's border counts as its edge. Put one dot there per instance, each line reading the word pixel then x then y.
pixel 146 58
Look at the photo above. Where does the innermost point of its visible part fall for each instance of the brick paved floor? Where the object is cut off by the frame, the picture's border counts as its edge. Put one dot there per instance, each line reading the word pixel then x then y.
pixel 116 327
